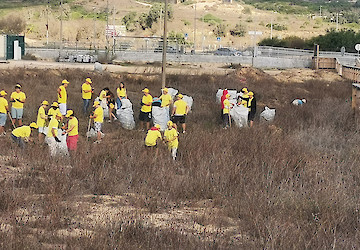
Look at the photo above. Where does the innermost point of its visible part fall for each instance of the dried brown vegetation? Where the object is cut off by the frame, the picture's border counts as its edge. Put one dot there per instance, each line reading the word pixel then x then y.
pixel 292 184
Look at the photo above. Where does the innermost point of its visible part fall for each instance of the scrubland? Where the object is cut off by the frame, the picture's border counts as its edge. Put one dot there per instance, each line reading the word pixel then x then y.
pixel 293 183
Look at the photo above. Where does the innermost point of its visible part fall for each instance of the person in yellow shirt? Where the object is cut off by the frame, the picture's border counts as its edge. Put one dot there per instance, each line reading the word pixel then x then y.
pixel 53 110
pixel 179 112
pixel 226 111
pixel 151 138
pixel 4 109
pixel 17 108
pixel 145 111
pixel 87 92
pixel 41 120
pixel 22 134
pixel 166 101
pixel 51 136
pixel 98 117
pixel 62 97
pixel 103 97
pixel 72 130
pixel 121 94
pixel 171 138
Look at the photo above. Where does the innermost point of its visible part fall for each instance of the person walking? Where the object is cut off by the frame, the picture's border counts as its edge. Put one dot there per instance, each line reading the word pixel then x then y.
pixel 121 94
pixel 171 138
pixel 98 117
pixel 252 108
pixel 166 101
pixel 18 99
pixel 151 138
pixel 179 112
pixel 145 112
pixel 4 109
pixel 86 91
pixel 72 130
pixel 41 120
pixel 51 136
pixel 226 111
pixel 22 134
pixel 62 97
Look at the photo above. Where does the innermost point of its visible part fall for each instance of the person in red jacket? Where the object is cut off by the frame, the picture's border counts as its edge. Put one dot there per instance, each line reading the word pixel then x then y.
pixel 223 97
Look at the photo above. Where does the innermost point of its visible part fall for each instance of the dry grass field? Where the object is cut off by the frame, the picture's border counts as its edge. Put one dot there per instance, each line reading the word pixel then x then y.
pixel 290 184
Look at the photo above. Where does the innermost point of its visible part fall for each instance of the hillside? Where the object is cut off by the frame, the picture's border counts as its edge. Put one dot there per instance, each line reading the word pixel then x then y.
pixel 84 18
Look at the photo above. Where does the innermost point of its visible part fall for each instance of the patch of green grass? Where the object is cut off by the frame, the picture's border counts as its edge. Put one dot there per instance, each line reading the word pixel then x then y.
pixel 79 12
pixel 211 19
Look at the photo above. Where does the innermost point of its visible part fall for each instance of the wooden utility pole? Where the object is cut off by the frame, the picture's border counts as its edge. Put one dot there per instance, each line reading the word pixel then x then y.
pixel 163 70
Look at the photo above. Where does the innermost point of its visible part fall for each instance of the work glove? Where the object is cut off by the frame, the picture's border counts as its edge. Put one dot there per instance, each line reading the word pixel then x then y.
pixel 57 139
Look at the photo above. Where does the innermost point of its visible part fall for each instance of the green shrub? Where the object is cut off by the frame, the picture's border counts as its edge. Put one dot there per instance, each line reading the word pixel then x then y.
pixel 239 30
pixel 209 18
pixel 277 26
pixel 220 30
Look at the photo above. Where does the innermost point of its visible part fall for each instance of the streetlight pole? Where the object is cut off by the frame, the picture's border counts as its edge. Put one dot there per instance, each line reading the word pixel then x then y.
pixel 195 28
pixel 163 69
pixel 320 11
pixel 61 28
pixel 94 36
pixel 47 25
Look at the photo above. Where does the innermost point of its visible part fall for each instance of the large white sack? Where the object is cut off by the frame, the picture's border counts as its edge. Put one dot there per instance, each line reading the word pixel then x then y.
pixel 126 114
pixel 189 101
pixel 233 94
pixel 104 106
pixel 240 115
pixel 61 147
pixel 161 116
pixel 268 114
pixel 173 92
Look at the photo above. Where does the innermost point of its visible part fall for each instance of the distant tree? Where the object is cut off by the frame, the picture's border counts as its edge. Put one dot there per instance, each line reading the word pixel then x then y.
pixel 275 42
pixel 130 21
pixel 220 30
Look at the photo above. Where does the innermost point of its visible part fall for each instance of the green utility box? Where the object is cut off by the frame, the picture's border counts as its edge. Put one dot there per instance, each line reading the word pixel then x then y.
pixel 10 39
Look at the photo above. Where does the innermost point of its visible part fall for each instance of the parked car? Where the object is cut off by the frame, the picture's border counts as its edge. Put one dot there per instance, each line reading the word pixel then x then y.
pixel 227 52
pixel 169 49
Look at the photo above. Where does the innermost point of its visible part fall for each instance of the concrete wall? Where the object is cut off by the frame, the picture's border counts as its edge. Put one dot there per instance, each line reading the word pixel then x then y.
pixel 259 62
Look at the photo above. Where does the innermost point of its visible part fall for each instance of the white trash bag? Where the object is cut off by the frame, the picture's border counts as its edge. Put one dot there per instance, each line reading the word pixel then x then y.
pixel 240 115
pixel 161 116
pixel 126 114
pixel 173 92
pixel 57 148
pixel 268 114
pixel 233 94
pixel 189 101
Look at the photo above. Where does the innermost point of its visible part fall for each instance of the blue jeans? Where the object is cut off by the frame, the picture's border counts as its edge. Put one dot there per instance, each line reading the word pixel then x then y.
pixel 86 105
pixel 18 140
pixel 118 102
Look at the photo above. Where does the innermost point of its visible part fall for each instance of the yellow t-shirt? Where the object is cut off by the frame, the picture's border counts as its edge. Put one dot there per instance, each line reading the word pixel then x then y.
pixel 73 122
pixel 22 132
pixel 146 100
pixel 40 121
pixel 99 113
pixel 53 124
pixel 226 109
pixel 121 92
pixel 63 93
pixel 165 100
pixel 102 95
pixel 151 137
pixel 3 104
pixel 52 111
pixel 180 107
pixel 86 87
pixel 20 96
pixel 169 136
